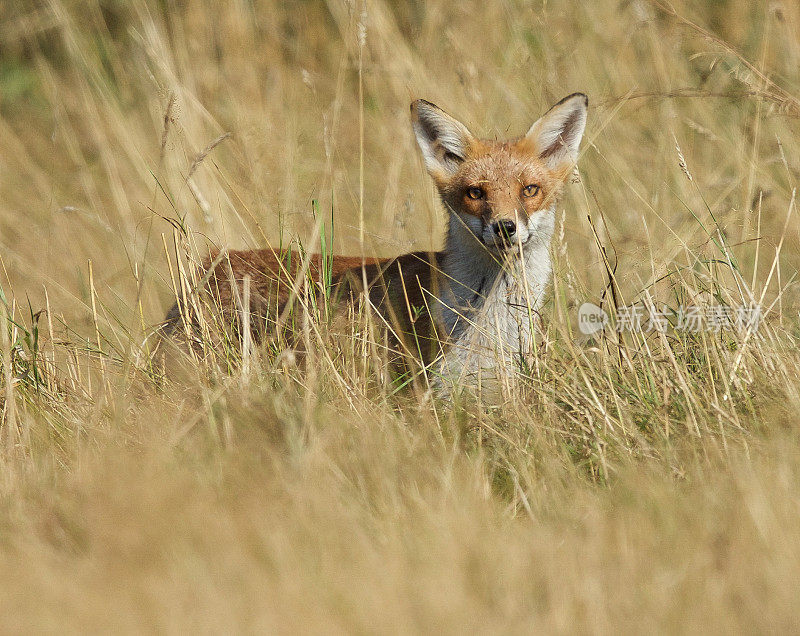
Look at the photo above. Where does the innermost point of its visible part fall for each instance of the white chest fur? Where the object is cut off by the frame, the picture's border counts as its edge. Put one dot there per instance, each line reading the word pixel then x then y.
pixel 491 301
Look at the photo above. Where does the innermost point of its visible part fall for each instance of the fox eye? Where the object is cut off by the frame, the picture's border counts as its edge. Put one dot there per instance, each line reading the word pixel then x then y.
pixel 530 190
pixel 475 193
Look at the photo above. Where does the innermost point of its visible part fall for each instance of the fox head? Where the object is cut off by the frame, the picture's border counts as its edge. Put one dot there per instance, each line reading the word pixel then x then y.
pixel 499 190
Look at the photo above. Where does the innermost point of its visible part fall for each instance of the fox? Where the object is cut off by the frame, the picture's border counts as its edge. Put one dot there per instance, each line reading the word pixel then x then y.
pixel 469 312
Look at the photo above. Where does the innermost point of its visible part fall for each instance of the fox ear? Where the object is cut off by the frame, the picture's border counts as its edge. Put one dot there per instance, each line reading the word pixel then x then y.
pixel 442 139
pixel 557 134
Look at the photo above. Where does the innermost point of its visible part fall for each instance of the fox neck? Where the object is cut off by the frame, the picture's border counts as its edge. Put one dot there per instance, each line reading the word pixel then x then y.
pixel 493 294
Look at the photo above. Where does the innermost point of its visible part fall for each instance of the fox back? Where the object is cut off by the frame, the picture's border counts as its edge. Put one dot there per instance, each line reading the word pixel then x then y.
pixel 468 311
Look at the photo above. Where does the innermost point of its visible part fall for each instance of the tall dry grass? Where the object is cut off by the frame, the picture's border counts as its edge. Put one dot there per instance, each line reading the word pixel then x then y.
pixel 651 483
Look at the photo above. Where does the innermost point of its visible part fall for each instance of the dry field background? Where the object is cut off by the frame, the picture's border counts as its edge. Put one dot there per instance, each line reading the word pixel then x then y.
pixel 656 487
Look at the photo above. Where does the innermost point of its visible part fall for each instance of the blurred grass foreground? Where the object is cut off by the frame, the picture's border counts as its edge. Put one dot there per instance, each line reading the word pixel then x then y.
pixel 646 481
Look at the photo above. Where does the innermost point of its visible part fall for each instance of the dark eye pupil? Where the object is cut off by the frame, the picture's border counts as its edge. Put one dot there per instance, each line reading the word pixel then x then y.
pixel 475 193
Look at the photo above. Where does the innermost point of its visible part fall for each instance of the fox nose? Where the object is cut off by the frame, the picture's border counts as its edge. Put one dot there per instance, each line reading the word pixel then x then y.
pixel 505 229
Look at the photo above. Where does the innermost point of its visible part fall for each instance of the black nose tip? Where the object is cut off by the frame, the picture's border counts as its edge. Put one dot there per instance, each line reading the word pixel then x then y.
pixel 505 229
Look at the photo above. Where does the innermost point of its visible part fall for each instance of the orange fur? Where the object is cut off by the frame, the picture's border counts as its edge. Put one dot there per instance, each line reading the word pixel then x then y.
pixel 479 293
pixel 400 289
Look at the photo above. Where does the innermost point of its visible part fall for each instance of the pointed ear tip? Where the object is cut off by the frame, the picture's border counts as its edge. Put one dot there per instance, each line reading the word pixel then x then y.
pixel 573 99
pixel 578 96
pixel 423 104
